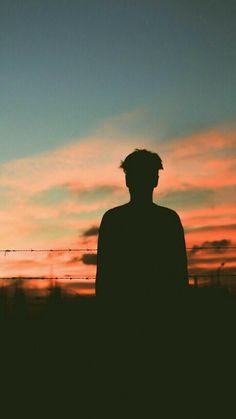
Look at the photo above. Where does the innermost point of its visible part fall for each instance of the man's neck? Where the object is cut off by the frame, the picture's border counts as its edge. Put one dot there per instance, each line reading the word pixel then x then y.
pixel 141 200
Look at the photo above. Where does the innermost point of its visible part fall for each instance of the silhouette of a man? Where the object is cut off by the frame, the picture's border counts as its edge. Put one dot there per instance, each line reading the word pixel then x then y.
pixel 141 245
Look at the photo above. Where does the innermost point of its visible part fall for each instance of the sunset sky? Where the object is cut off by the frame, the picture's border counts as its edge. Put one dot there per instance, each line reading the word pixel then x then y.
pixel 83 83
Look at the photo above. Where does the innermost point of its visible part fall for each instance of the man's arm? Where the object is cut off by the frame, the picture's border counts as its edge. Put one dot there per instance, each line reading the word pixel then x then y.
pixel 104 268
pixel 180 265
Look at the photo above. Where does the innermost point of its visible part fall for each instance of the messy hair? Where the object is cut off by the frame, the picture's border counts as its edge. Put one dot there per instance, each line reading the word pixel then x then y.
pixel 141 160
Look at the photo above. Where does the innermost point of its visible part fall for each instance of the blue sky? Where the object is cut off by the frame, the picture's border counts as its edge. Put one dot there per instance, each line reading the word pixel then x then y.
pixel 66 67
pixel 83 83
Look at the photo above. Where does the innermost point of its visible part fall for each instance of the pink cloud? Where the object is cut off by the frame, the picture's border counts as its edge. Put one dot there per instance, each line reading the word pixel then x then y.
pixel 200 161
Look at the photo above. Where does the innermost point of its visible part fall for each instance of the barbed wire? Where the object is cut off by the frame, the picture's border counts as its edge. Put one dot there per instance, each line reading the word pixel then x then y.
pixel 67 277
pixel 40 278
pixel 195 249
pixel 48 250
pixel 210 247
pixel 211 275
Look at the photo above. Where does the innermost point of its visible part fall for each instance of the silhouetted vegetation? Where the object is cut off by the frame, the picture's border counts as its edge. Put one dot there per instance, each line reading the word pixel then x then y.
pixel 68 347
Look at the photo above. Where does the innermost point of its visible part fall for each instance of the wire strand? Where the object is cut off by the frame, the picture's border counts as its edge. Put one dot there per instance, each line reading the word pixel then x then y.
pixel 95 249
pixel 48 250
pixel 39 278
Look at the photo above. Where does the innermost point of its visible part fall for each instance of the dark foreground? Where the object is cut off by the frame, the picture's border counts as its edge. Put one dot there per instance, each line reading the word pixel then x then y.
pixel 170 357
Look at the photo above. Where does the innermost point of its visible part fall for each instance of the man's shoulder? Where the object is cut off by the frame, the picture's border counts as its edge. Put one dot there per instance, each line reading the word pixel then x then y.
pixel 166 212
pixel 168 216
pixel 114 216
pixel 116 211
pixel 122 210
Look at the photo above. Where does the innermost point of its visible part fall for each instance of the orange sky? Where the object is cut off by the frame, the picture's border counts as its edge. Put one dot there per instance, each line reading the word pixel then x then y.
pixel 53 199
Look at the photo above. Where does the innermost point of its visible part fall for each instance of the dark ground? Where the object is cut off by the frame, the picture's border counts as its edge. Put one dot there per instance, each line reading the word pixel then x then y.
pixel 170 357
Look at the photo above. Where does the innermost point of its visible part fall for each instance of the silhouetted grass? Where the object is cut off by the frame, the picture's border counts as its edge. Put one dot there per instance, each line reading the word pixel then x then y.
pixel 70 351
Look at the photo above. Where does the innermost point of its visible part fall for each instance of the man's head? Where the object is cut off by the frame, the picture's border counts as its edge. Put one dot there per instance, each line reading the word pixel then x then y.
pixel 141 169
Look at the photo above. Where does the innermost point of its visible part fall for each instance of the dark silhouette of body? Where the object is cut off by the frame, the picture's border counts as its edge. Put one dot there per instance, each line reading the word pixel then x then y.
pixel 141 273
pixel 141 246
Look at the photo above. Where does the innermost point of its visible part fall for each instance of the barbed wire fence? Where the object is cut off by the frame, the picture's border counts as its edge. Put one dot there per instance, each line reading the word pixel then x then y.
pixel 95 249
pixel 89 249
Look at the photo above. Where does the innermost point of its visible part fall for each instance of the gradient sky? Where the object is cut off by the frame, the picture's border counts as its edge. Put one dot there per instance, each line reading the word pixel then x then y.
pixel 83 83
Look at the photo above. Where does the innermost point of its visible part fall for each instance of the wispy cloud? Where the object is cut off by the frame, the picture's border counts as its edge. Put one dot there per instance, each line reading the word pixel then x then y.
pixel 215 246
pixel 92 231
pixel 219 227
pixel 89 259
pixel 57 199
